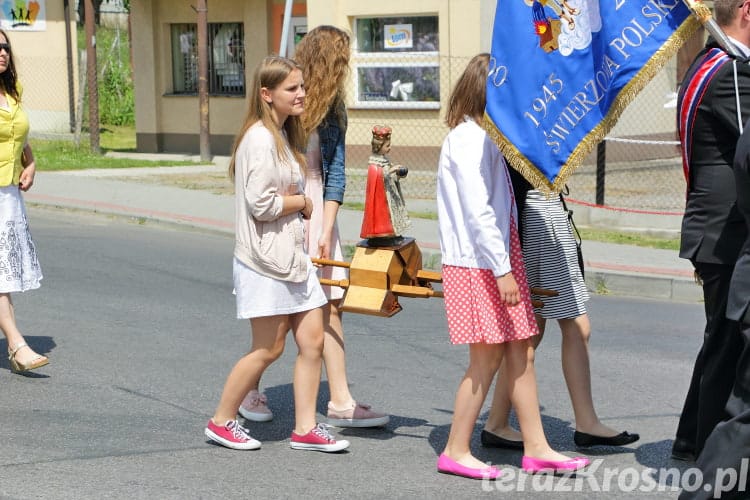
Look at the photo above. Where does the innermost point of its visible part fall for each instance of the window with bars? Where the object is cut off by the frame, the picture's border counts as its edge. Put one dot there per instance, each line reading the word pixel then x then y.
pixel 226 59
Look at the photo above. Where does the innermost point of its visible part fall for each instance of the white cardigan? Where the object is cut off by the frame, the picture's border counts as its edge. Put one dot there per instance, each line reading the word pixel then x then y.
pixel 474 199
pixel 266 241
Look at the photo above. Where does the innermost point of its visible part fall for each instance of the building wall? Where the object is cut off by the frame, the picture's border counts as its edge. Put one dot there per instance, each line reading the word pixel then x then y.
pixel 169 122
pixel 464 30
pixel 166 122
pixel 42 63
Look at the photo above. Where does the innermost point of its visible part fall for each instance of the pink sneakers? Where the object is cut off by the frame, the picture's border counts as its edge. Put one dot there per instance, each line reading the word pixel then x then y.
pixel 255 407
pixel 356 415
pixel 318 439
pixel 232 435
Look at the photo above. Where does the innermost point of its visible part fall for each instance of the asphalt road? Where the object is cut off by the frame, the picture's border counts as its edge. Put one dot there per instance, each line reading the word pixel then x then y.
pixel 138 321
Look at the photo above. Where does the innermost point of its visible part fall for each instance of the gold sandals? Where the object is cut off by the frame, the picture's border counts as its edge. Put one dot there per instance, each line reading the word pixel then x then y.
pixel 37 362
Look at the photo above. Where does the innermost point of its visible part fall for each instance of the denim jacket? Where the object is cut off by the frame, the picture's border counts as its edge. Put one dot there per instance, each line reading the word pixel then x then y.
pixel 333 155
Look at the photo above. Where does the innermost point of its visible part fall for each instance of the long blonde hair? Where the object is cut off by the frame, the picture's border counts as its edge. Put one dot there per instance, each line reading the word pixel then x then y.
pixel 270 73
pixel 469 96
pixel 323 54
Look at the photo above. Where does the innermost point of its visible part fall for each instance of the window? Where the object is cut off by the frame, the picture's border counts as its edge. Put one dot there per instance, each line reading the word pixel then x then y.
pixel 397 34
pixel 396 62
pixel 226 59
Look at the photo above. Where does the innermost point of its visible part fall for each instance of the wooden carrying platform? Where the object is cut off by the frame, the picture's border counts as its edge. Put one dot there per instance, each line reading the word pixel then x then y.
pixel 378 275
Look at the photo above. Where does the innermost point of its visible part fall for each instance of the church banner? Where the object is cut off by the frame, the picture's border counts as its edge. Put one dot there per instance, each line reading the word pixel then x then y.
pixel 563 71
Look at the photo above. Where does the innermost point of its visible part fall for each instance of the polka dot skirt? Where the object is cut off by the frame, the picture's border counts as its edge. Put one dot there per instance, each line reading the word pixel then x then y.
pixel 473 307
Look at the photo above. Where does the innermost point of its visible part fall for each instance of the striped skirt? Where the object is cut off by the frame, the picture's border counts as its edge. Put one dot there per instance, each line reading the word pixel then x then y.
pixel 549 252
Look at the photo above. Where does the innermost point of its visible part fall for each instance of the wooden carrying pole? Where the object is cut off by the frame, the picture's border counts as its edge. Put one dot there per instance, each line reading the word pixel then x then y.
pixel 421 292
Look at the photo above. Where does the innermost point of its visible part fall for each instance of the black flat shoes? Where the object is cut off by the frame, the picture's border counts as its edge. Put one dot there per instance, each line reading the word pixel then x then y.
pixel 583 440
pixel 490 440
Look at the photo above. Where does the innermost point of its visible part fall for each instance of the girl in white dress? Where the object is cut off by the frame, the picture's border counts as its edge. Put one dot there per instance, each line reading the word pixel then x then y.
pixel 323 54
pixel 274 279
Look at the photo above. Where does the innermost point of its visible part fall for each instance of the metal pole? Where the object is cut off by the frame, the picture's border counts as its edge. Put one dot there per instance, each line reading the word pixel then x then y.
pixel 601 162
pixel 91 76
pixel 205 133
pixel 71 76
pixel 703 14
pixel 285 27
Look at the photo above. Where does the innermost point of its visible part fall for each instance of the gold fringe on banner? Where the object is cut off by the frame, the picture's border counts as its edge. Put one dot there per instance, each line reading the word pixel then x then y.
pixel 532 174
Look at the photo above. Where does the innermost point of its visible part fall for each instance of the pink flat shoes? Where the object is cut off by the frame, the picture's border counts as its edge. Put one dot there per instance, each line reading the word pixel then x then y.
pixel 447 465
pixel 534 465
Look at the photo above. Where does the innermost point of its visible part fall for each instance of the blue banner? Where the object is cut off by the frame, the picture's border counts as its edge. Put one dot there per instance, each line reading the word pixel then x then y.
pixel 563 71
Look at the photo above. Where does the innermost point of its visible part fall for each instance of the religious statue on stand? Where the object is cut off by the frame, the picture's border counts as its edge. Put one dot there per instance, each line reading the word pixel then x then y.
pixel 386 264
pixel 385 217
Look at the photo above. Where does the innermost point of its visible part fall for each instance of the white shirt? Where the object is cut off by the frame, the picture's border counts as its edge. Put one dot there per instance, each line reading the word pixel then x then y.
pixel 744 49
pixel 474 201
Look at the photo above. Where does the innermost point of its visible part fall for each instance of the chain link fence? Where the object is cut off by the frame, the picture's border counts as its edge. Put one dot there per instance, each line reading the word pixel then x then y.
pixel 641 168
pixel 46 95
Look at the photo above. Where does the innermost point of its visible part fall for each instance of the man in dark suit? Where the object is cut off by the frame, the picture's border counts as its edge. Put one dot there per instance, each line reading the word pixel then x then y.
pixel 713 103
pixel 725 455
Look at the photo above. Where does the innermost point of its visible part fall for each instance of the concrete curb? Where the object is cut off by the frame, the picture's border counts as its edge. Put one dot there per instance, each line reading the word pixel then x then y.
pixel 659 224
pixel 609 282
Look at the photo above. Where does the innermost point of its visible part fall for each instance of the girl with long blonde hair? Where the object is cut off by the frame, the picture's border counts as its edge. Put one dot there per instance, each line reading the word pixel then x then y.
pixel 275 282
pixel 323 54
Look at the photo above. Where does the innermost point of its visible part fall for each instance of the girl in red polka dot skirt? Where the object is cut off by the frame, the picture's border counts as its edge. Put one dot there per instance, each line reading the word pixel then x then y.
pixel 487 299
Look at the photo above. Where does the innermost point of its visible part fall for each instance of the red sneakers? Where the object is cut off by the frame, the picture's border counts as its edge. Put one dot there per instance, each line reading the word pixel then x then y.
pixel 318 439
pixel 232 435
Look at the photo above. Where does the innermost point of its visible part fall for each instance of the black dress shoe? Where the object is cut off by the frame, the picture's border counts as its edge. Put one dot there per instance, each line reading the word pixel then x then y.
pixel 583 440
pixel 490 440
pixel 684 450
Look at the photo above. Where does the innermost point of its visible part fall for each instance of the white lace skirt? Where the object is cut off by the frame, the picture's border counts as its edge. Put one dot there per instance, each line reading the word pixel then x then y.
pixel 19 266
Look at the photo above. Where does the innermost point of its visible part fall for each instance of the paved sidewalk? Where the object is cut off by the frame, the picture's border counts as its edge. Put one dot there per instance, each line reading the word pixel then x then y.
pixel 610 268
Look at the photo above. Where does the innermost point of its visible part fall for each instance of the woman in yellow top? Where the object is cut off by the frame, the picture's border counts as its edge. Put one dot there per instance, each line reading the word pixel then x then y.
pixel 19 267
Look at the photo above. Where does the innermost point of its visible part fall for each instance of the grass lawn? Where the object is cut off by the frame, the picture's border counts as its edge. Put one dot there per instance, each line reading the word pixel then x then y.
pixel 117 138
pixel 628 238
pixel 65 155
